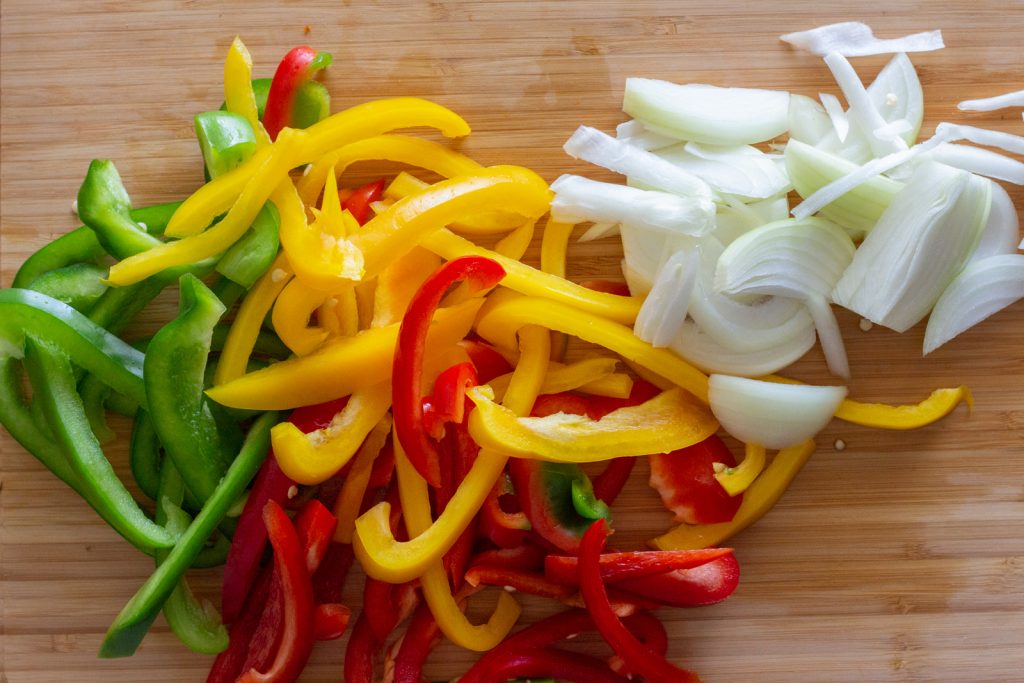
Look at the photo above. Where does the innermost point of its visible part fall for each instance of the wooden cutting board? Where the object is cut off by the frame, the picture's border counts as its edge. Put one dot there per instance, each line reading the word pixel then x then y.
pixel 900 558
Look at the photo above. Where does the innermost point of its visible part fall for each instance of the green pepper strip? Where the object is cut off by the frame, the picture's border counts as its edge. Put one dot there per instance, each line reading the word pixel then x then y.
pixel 104 206
pixel 248 258
pixel 94 395
pixel 54 383
pixel 126 633
pixel 197 624
pixel 79 285
pixel 144 455
pixel 199 444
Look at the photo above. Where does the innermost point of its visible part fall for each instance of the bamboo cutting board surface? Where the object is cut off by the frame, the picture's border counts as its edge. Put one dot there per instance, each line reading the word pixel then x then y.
pixel 900 558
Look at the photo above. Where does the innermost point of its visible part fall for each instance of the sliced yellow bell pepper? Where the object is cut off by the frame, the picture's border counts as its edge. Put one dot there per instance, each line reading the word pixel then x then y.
pixel 291 315
pixel 238 95
pixel 398 282
pixel 592 375
pixel 757 500
pixel 554 250
pixel 480 224
pixel 515 244
pixel 503 315
pixel 386 559
pixel 535 283
pixel 339 367
pixel 346 509
pixel 669 421
pixel 736 480
pixel 355 123
pixel 315 457
pixel 246 327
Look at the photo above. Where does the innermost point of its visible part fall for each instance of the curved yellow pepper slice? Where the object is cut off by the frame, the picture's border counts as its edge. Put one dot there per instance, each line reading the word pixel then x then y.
pixel 479 224
pixel 535 283
pixel 515 244
pixel 736 480
pixel 291 315
pixel 315 457
pixel 355 123
pixel 397 283
pixel 238 95
pixel 554 251
pixel 669 421
pixel 353 488
pixel 757 500
pixel 502 316
pixel 251 314
pixel 593 375
pixel 338 368
pixel 386 559
pixel 339 314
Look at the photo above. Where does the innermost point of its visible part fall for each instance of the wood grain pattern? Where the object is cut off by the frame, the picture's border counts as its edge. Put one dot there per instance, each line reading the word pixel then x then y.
pixel 898 559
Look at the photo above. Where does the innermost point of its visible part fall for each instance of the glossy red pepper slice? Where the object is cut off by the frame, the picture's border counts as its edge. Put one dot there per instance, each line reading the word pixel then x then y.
pixel 385 605
pixel 360 653
pixel 685 480
pixel 525 556
pixel 703 585
pixel 421 636
pixel 330 621
pixel 479 273
pixel 358 202
pixel 329 579
pixel 447 403
pixel 297 67
pixel 617 567
pixel 548 663
pixel 505 529
pixel 228 664
pixel 489 363
pixel 636 656
pixel 523 581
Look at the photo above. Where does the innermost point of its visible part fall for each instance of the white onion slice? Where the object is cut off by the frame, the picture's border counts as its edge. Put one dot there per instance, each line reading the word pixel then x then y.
pixel 771 414
pixel 918 246
pixel 808 121
pixel 706 353
pixel 634 133
pixel 1010 99
pixel 644 252
pixel 579 199
pixel 892 129
pixel 863 113
pixel 982 136
pixel 705 113
pixel 980 290
pixel 1001 229
pixel 599 230
pixel 855 39
pixel 981 161
pixel 834 109
pixel 664 310
pixel 897 94
pixel 743 171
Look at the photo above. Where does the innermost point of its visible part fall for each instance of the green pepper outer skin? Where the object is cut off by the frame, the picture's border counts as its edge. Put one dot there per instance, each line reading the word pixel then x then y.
pixel 54 381
pixel 144 455
pixel 104 206
pixel 79 285
pixel 248 258
pixel 226 140
pixel 94 395
pixel 129 628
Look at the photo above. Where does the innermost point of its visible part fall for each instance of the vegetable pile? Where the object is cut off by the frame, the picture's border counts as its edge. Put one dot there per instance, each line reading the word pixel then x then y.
pixel 436 432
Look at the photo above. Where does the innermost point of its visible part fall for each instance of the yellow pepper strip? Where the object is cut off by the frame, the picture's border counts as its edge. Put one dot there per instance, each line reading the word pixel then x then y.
pixel 479 224
pixel 648 376
pixel 291 317
pixel 338 368
pixel 346 509
pixel 554 250
pixel 434 581
pixel 403 149
pixel 736 480
pixel 669 421
pixel 273 172
pixel 317 456
pixel 408 221
pixel 535 283
pixel 386 559
pixel 366 292
pixel 397 283
pixel 347 311
pixel 758 499
pixel 246 327
pixel 502 316
pixel 938 405
pixel 238 95
pixel 590 375
pixel 355 123
pixel 515 244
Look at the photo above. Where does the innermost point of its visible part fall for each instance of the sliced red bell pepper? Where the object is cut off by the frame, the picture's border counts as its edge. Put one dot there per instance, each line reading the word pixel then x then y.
pixel 533 583
pixel 330 621
pixel 563 402
pixel 486 359
pixel 459 453
pixel 636 656
pixel 617 567
pixel 358 202
pixel 610 482
pixel 297 67
pixel 421 636
pixel 685 480
pixel 505 529
pixel 360 653
pixel 329 579
pixel 649 629
pixel 525 556
pixel 447 403
pixel 228 664
pixel 479 273
pixel 296 640
pixel 386 605
pixel 565 666
pixel 703 585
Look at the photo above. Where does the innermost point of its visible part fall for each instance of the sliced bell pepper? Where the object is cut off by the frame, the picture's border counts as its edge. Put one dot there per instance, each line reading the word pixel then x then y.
pixel 595 376
pixel 339 367
pixel 358 203
pixel 685 480
pixel 631 565
pixel 297 67
pixel 238 89
pixel 667 422
pixel 250 257
pixel 292 311
pixel 485 358
pixel 736 480
pixel 329 579
pixel 79 285
pixel 228 664
pixel 360 653
pixel 397 283
pixel 704 585
pixel 523 556
pixel 484 223
pixel 479 274
pixel 940 403
pixel 420 637
pixel 386 605
pixel 447 403
pixel 346 509
pixel 520 580
pixel 637 657
pixel 330 621
pixel 757 500
pixel 504 529
pixel 105 207
pixel 515 244
pixel 566 666
pixel 226 141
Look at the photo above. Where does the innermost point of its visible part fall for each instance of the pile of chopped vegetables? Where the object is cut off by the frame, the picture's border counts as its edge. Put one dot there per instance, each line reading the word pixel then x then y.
pixel 373 374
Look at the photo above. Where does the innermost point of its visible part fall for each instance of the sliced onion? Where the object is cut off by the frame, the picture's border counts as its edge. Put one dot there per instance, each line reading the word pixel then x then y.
pixel 706 353
pixel 980 290
pixel 1001 229
pixel 918 246
pixel 863 113
pixel 897 94
pixel 644 251
pixel 834 109
pixel 634 133
pixel 770 414
pixel 982 136
pixel 981 161
pixel 855 39
pixel 808 121
pixel 705 113
pixel 579 199
pixel 743 171
pixel 1010 99
pixel 736 218
pixel 893 129
pixel 599 148
pixel 664 310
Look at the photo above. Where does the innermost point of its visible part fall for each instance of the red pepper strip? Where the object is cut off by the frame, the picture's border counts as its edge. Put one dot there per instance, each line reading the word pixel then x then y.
pixel 386 605
pixel 526 557
pixel 607 286
pixel 641 392
pixel 329 579
pixel 360 653
pixel 523 581
pixel 632 565
pixel 504 529
pixel 463 451
pixel 448 401
pixel 383 468
pixel 486 359
pixel 564 402
pixel 330 621
pixel 297 590
pixel 229 663
pixel 292 72
pixel 610 482
pixel 318 416
pixel 315 525
pixel 565 666
pixel 637 657
pixel 704 585
pixel 479 273
pixel 650 631
pixel 420 638
pixel 358 202
pixel 685 480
